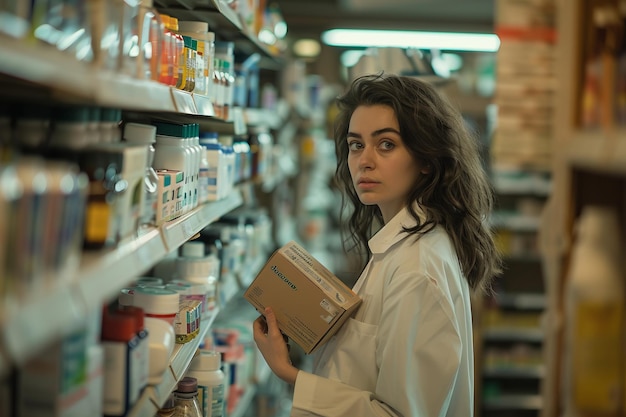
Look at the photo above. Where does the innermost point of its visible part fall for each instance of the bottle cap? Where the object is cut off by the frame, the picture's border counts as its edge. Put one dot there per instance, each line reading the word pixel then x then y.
pixel 137 314
pixel 160 301
pixel 117 327
pixel 149 281
pixel 188 384
pixel 125 297
pixel 209 136
pixel 193 250
pixel 178 285
pixel 193 26
pixel 140 133
pixel 206 360
pixel 170 129
pixel 194 267
pixel 174 23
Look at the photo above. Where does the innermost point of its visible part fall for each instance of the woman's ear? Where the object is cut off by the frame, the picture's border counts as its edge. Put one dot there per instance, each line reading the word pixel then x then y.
pixel 426 169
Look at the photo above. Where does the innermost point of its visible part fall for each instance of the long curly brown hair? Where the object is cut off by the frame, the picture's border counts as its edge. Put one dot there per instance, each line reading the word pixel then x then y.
pixel 455 193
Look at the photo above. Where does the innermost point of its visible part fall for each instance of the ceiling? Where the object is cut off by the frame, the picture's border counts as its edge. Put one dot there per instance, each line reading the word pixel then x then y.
pixel 306 18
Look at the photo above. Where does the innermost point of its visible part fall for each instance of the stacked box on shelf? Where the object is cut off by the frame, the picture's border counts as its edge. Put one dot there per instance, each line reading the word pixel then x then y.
pixel 525 83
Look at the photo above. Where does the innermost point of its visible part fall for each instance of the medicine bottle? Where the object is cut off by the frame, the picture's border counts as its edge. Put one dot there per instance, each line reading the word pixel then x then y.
pixel 186 398
pixel 190 63
pixel 195 268
pixel 120 342
pixel 179 54
pixel 172 153
pixel 168 50
pixel 137 133
pixel 205 367
pixel 140 361
pixel 160 303
pixel 217 88
pixel 199 31
pixel 168 409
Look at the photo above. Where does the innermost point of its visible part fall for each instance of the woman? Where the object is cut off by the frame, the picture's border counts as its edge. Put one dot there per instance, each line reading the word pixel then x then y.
pixel 406 161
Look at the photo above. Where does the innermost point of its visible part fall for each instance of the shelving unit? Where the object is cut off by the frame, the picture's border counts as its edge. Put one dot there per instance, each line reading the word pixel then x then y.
pixel 589 168
pixel 510 368
pixel 31 72
pixel 100 275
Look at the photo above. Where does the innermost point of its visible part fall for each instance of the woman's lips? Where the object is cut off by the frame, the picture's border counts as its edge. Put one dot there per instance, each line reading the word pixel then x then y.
pixel 367 184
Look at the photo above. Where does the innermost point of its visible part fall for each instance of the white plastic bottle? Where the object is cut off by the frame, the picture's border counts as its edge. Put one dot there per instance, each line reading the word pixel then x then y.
pixel 196 268
pixel 137 133
pixel 213 153
pixel 594 330
pixel 205 367
pixel 171 153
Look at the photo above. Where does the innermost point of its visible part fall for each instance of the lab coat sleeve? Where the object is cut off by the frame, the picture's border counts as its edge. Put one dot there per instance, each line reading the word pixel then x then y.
pixel 323 397
pixel 418 355
pixel 419 347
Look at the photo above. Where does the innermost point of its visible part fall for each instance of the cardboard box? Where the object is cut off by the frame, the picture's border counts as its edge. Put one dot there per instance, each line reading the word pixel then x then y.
pixel 310 302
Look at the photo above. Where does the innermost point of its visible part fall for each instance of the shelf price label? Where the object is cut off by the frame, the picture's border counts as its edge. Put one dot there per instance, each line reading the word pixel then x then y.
pixel 183 101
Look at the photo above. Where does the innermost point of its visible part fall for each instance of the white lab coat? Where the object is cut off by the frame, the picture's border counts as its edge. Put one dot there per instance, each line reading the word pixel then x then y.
pixel 408 350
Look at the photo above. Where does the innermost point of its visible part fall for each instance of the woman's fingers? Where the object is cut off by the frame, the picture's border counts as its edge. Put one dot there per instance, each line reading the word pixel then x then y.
pixel 272 324
pixel 274 346
pixel 267 326
pixel 259 328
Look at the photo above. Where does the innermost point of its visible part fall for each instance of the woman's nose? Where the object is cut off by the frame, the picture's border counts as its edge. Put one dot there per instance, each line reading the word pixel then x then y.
pixel 367 158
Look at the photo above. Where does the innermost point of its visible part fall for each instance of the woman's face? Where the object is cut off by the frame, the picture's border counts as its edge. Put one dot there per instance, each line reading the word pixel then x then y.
pixel 382 169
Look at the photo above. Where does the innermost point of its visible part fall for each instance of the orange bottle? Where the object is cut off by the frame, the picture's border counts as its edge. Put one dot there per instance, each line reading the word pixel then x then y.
pixel 181 74
pixel 166 75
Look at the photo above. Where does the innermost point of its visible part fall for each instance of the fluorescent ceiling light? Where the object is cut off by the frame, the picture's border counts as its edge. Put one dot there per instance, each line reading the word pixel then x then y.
pixel 448 41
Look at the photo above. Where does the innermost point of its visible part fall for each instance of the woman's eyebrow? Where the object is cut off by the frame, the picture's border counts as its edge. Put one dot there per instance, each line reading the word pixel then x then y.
pixel 385 130
pixel 377 132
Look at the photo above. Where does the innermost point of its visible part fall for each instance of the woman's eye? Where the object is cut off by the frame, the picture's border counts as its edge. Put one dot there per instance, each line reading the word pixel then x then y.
pixel 387 145
pixel 353 146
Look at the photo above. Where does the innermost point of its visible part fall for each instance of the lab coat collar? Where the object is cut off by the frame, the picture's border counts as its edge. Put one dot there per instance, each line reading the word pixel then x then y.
pixel 393 232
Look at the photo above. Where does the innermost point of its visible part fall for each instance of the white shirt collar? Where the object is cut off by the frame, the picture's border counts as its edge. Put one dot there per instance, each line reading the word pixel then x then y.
pixel 393 232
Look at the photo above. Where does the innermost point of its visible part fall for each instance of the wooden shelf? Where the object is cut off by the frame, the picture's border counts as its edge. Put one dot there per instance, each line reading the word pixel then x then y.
pixel 514 402
pixel 515 222
pixel 511 334
pixel 514 372
pixel 521 301
pixel 598 151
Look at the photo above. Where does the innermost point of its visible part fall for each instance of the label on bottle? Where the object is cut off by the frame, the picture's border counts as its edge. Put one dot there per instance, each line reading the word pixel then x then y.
pixel 211 399
pixel 203 184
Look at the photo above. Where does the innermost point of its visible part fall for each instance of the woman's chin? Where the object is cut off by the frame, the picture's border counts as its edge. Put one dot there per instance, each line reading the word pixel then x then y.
pixel 367 201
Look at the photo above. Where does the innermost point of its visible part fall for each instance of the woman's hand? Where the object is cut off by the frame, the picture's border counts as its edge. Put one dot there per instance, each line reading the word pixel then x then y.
pixel 273 346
